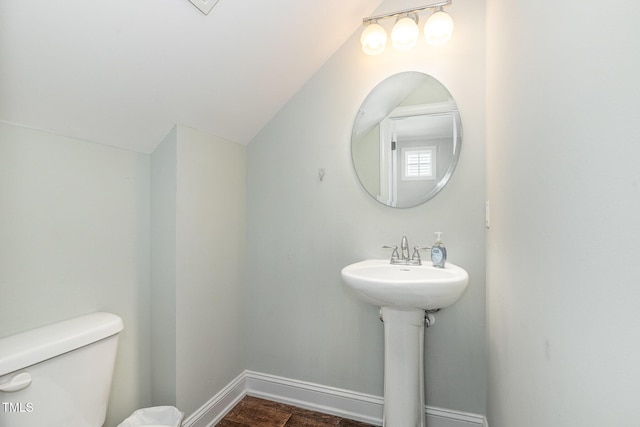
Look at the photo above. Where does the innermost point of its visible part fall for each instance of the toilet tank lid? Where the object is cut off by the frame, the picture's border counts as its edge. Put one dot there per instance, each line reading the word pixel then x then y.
pixel 28 348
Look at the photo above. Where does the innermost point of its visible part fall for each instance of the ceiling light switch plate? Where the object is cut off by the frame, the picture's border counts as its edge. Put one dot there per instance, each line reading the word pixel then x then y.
pixel 205 6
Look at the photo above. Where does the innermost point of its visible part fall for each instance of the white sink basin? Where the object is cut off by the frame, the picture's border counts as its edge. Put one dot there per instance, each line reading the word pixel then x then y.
pixel 423 287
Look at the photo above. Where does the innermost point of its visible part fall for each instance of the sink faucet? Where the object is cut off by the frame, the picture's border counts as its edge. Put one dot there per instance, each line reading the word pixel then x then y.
pixel 403 257
pixel 404 249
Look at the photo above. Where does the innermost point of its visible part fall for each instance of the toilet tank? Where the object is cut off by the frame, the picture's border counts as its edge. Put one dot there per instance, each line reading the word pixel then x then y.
pixel 59 375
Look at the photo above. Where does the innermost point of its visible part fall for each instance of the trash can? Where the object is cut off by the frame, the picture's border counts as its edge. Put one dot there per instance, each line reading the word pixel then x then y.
pixel 156 416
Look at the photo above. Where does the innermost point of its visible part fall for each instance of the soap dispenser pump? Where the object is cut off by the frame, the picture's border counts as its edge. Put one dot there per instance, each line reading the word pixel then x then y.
pixel 438 252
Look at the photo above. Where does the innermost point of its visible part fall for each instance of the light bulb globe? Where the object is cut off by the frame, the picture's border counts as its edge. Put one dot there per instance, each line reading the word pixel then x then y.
pixel 438 28
pixel 373 39
pixel 405 33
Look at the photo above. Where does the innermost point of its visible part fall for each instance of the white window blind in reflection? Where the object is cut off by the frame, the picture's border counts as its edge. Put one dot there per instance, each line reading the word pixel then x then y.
pixel 419 163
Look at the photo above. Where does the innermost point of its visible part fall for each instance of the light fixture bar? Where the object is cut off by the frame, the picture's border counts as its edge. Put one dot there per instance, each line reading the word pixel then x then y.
pixel 402 12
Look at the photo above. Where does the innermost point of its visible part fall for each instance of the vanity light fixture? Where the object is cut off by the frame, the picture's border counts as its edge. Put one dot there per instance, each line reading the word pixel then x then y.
pixel 405 32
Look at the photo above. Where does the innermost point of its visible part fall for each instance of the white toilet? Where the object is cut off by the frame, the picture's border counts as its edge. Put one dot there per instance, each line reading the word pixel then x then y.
pixel 60 374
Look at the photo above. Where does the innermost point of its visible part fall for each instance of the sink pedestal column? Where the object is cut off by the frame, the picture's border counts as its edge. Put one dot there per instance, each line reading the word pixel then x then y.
pixel 403 368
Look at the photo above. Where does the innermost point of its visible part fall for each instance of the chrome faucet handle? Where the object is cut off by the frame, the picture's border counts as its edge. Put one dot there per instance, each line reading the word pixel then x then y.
pixel 394 254
pixel 416 253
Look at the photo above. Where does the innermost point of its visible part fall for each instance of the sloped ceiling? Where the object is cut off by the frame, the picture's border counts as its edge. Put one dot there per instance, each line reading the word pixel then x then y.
pixel 123 72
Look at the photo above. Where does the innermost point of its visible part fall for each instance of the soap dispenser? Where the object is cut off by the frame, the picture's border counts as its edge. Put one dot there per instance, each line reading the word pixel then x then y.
pixel 438 252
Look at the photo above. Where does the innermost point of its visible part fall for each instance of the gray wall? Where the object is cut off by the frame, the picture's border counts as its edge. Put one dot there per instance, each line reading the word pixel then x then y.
pixel 302 323
pixel 74 239
pixel 164 178
pixel 210 218
pixel 564 184
pixel 198 203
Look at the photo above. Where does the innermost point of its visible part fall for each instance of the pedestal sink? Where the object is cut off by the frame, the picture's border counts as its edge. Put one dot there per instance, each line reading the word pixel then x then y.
pixel 404 292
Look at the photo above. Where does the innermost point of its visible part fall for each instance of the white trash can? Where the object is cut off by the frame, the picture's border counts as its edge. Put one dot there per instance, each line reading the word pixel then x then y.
pixel 156 416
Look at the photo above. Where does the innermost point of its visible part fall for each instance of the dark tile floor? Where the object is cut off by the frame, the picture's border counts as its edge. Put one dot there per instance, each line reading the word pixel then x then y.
pixel 255 412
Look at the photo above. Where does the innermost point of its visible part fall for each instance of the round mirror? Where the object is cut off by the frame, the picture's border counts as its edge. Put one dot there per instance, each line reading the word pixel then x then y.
pixel 406 139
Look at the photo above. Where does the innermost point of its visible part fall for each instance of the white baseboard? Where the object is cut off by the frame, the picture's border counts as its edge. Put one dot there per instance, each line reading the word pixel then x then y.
pixel 219 405
pixel 329 400
pixel 320 398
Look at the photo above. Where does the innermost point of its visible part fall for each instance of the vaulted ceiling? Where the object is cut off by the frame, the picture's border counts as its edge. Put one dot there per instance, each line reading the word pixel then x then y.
pixel 123 72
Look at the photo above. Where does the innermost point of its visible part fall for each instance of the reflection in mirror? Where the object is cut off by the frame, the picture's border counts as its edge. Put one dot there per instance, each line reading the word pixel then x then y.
pixel 406 139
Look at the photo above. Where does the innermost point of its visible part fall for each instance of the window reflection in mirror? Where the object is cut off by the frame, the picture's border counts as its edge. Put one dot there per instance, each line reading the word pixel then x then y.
pixel 406 139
